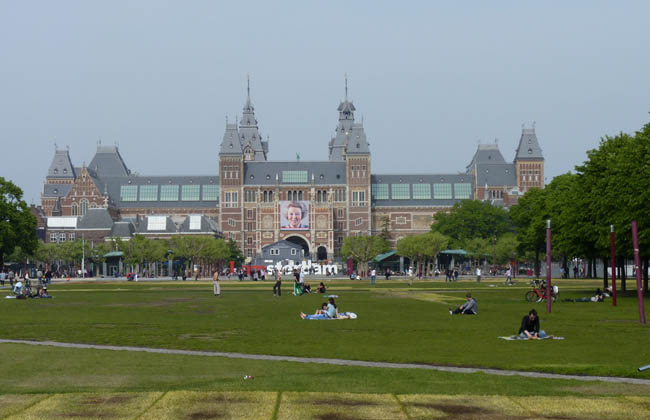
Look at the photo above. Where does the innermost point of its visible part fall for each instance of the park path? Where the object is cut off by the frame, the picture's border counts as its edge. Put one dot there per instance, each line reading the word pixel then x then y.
pixel 339 362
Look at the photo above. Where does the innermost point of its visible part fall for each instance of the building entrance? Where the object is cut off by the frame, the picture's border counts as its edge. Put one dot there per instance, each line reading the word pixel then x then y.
pixel 300 241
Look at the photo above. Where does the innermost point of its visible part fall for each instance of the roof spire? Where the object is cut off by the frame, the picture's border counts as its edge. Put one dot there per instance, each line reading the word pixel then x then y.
pixel 248 86
pixel 346 86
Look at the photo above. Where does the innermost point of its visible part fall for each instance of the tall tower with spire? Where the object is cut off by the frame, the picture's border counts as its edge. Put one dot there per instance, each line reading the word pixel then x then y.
pixel 253 148
pixel 350 145
pixel 529 161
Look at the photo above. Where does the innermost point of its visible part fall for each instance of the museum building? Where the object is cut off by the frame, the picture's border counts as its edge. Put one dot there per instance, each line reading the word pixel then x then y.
pixel 257 202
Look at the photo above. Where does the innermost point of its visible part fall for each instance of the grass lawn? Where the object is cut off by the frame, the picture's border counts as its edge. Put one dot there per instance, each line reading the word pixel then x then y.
pixel 396 324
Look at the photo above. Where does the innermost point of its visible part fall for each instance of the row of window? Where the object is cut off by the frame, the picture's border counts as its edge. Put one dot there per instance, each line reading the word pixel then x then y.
pixel 421 191
pixel 61 236
pixel 188 192
pixel 83 204
pixel 294 177
pixel 276 251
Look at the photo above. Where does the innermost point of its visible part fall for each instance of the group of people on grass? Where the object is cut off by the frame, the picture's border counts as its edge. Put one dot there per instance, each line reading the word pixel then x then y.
pixel 328 310
pixel 529 328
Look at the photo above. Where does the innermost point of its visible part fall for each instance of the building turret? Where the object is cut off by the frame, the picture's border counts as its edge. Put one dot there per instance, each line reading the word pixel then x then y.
pixel 350 138
pixel 529 161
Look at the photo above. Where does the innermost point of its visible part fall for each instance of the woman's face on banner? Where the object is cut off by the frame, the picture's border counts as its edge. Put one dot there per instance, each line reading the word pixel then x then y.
pixel 294 216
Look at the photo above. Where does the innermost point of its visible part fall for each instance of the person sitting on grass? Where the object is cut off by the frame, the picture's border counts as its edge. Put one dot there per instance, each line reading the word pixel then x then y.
pixel 468 308
pixel 530 327
pixel 327 311
pixel 306 288
pixel 321 288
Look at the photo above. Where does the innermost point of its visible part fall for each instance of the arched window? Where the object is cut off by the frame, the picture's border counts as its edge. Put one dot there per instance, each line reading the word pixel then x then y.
pixel 84 207
pixel 248 154
pixel 75 209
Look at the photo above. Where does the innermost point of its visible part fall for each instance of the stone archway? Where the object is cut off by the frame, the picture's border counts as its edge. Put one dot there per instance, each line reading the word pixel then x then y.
pixel 321 253
pixel 299 240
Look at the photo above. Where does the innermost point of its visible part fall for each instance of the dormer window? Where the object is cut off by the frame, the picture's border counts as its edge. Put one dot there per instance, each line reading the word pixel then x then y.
pixel 65 170
pixel 248 153
pixel 530 151
pixel 56 171
pixel 358 145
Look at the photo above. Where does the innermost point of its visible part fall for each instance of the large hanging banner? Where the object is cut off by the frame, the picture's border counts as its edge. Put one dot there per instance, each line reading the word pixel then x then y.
pixel 294 215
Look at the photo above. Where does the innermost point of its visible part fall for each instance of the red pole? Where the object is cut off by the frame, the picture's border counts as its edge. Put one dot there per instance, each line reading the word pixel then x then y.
pixel 613 247
pixel 548 266
pixel 637 267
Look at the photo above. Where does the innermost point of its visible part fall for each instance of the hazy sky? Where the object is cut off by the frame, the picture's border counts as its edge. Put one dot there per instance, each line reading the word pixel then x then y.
pixel 430 78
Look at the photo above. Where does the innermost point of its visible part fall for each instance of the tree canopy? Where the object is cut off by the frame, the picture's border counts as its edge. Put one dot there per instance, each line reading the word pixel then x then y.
pixel 17 223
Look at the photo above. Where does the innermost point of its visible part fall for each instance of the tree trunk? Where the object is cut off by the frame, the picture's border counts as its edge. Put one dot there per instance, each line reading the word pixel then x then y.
pixel 565 266
pixel 623 276
pixel 645 275
pixel 588 273
pixel 605 279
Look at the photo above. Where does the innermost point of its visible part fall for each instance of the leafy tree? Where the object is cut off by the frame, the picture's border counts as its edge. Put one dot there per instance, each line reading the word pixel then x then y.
pixel 477 248
pixel 507 248
pixel 529 216
pixel 432 243
pixel 471 219
pixel 411 248
pixel 234 253
pixel 385 229
pixel 17 223
pixel 362 249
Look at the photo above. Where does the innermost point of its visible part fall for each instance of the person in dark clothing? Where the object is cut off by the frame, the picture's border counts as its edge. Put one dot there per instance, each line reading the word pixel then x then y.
pixel 530 327
pixel 277 287
pixel 322 288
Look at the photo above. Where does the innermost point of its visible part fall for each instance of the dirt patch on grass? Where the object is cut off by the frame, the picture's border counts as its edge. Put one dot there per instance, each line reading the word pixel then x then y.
pixel 199 415
pixel 612 389
pixel 222 399
pixel 336 416
pixel 343 403
pixel 86 414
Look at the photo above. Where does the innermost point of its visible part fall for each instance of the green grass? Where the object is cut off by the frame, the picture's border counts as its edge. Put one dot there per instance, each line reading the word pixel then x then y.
pixel 395 324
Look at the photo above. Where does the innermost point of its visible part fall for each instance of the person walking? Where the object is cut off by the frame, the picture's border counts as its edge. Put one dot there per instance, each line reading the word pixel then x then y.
pixel 478 274
pixel 373 276
pixel 277 287
pixel 508 277
pixel 215 283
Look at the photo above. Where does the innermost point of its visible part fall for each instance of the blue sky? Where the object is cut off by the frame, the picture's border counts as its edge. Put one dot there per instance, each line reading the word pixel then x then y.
pixel 431 79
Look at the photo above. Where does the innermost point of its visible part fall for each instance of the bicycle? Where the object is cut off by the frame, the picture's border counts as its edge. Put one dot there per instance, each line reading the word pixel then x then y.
pixel 538 293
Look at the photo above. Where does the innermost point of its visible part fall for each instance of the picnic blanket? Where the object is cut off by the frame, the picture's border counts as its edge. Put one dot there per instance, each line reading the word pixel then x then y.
pixel 516 337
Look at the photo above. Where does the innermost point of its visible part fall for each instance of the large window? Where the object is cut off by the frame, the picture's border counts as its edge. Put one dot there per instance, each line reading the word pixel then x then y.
pixel 359 199
pixel 250 196
pixel 379 191
pixel 293 177
pixel 210 193
pixel 231 199
pixel 463 191
pixel 400 191
pixel 148 192
pixel 442 191
pixel 84 207
pixel 422 191
pixel 169 193
pixel 129 193
pixel 190 193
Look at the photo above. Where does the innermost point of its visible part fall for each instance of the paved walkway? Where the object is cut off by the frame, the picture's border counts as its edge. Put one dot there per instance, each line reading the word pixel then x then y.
pixel 340 362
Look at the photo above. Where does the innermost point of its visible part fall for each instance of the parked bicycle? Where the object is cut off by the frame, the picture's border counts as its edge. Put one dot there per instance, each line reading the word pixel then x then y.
pixel 538 294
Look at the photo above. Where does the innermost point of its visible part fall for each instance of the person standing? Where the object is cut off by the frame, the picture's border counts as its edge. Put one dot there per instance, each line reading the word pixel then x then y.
pixel 373 276
pixel 215 283
pixel 277 287
pixel 508 277
pixel 478 274
pixel 410 276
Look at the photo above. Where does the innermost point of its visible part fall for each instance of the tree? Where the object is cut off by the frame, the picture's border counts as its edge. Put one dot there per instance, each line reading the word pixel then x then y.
pixel 432 243
pixel 507 246
pixel 385 229
pixel 411 248
pixel 471 219
pixel 234 253
pixel 17 223
pixel 477 248
pixel 362 249
pixel 529 216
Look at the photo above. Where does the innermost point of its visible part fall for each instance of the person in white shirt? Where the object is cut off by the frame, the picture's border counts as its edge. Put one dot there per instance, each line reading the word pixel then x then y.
pixel 478 274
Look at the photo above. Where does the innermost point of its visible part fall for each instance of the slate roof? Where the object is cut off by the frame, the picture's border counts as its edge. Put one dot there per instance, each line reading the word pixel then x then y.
pixel 324 172
pixel 528 148
pixel 113 187
pixel 96 219
pixel 350 137
pixel 108 162
pixel 496 175
pixel 283 244
pixel 208 225
pixel 420 179
pixel 485 153
pixel 61 166
pixel 56 190
pixel 230 144
pixel 122 229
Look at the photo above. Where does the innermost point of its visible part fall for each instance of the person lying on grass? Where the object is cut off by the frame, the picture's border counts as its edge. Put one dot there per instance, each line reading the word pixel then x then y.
pixel 599 296
pixel 530 326
pixel 468 308
pixel 327 311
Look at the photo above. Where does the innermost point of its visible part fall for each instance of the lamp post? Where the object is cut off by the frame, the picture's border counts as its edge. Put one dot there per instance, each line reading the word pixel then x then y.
pixel 613 249
pixel 548 266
